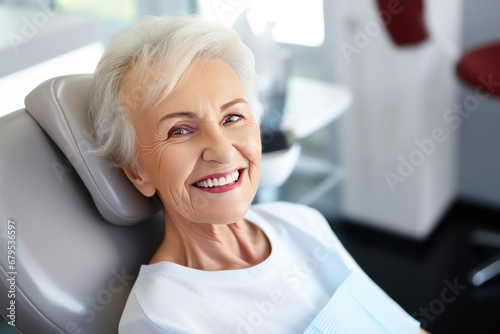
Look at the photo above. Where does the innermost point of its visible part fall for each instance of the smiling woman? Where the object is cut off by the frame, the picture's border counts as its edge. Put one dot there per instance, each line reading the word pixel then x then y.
pixel 173 104
pixel 207 126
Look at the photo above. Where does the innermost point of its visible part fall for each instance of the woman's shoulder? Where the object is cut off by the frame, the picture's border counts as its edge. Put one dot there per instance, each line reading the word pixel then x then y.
pixel 299 221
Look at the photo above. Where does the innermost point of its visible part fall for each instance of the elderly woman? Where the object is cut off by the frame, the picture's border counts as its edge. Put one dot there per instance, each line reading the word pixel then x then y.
pixel 173 103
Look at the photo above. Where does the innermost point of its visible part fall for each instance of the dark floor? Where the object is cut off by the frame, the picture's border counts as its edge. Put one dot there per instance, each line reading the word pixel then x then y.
pixel 430 279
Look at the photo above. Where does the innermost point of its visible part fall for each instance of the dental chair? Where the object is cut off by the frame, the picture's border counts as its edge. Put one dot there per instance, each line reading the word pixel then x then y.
pixel 75 230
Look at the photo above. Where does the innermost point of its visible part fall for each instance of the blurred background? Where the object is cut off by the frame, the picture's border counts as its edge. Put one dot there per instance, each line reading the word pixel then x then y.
pixel 365 114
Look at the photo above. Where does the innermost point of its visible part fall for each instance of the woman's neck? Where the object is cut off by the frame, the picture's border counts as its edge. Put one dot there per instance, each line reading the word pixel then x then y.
pixel 213 247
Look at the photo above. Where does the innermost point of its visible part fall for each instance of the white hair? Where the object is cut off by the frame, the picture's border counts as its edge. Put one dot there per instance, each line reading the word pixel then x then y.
pixel 156 53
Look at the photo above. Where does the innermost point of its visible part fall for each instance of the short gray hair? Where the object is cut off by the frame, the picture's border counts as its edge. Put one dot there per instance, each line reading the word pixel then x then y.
pixel 157 51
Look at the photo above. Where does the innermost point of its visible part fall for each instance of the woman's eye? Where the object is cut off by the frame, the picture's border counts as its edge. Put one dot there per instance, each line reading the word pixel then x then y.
pixel 232 118
pixel 179 132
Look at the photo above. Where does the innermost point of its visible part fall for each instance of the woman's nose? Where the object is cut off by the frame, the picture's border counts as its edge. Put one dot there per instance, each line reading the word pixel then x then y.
pixel 218 147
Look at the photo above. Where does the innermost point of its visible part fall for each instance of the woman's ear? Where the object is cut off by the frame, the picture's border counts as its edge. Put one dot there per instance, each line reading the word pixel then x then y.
pixel 140 180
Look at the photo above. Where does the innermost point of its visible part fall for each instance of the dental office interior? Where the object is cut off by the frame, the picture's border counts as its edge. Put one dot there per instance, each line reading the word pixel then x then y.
pixel 384 115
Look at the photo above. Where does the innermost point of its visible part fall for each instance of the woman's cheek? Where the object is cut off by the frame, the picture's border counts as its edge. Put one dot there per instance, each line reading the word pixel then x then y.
pixel 251 138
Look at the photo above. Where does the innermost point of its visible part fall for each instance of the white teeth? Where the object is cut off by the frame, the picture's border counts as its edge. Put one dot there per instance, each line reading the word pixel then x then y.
pixel 218 182
pixel 222 181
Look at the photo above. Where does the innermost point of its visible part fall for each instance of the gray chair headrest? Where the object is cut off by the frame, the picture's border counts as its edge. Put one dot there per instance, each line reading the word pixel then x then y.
pixel 60 107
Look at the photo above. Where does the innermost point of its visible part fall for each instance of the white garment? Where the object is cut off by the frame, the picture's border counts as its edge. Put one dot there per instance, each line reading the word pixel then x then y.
pixel 283 294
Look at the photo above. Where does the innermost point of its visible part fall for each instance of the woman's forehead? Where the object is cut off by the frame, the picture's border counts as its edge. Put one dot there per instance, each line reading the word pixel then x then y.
pixel 210 82
pixel 208 85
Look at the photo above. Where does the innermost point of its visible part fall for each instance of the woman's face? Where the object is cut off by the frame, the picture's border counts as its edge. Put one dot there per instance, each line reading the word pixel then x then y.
pixel 200 150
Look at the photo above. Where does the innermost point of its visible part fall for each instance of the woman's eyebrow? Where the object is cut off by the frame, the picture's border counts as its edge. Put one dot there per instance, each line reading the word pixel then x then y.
pixel 190 114
pixel 232 103
pixel 179 114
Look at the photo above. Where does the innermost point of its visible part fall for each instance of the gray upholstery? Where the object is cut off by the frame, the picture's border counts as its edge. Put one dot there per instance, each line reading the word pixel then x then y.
pixel 60 106
pixel 74 268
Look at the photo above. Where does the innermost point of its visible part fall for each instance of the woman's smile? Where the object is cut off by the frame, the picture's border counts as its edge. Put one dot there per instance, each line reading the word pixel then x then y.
pixel 221 183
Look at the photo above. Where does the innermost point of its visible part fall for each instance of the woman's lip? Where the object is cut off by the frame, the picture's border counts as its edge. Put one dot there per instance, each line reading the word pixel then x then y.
pixel 218 175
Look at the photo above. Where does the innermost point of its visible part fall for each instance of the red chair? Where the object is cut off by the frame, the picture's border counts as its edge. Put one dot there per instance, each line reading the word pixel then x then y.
pixel 480 67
